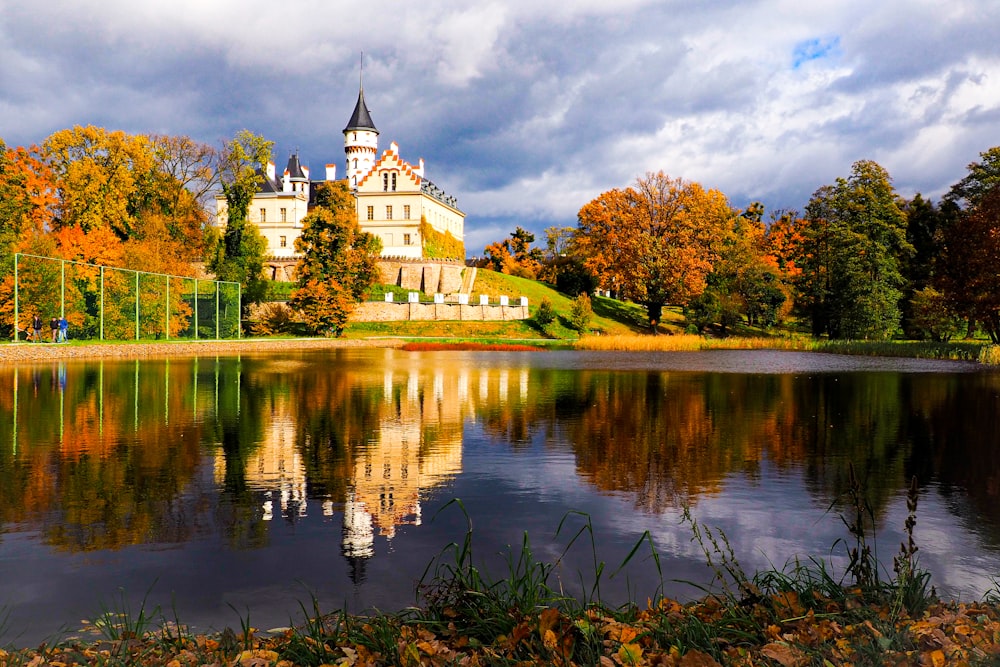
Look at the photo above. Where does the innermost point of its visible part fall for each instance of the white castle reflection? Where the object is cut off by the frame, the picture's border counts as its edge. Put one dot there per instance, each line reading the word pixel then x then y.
pixel 416 447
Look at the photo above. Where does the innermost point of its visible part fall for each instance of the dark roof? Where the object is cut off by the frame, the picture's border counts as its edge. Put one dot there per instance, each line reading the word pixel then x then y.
pixel 434 191
pixel 361 119
pixel 294 169
pixel 266 184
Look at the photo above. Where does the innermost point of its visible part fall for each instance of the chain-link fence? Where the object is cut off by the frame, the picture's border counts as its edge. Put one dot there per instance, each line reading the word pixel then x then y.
pixel 110 303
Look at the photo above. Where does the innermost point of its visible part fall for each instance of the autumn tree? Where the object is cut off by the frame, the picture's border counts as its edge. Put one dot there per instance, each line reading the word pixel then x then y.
pixel 744 281
pixel 27 199
pixel 186 173
pixel 852 247
pixel 969 277
pixel 515 256
pixel 339 261
pixel 238 255
pixel 654 243
pixel 102 177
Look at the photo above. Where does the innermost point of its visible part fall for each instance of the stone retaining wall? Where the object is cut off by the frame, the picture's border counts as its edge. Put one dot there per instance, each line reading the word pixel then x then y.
pixel 427 276
pixel 374 311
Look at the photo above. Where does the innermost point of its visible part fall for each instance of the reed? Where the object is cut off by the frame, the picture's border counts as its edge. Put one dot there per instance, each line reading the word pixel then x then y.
pixel 957 351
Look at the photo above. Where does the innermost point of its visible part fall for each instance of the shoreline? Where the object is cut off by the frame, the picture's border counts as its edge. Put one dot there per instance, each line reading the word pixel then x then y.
pixel 23 351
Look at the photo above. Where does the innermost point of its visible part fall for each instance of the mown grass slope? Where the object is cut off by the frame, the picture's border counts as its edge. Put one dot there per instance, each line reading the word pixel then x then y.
pixel 610 316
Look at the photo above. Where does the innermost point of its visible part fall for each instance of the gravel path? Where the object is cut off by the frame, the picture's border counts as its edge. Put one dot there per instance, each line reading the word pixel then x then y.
pixel 15 352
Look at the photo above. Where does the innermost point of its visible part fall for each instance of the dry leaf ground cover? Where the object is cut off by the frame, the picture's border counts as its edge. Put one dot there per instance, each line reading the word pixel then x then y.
pixel 785 628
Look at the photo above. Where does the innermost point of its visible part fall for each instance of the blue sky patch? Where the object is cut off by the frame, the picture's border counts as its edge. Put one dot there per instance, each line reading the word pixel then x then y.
pixel 815 49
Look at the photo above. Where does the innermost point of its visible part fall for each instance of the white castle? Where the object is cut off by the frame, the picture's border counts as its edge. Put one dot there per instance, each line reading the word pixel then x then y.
pixel 392 196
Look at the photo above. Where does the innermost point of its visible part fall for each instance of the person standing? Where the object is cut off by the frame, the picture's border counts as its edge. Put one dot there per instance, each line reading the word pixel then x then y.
pixel 36 326
pixel 54 325
pixel 63 329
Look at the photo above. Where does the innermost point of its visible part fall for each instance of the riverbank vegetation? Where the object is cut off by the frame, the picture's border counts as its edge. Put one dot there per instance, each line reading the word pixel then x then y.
pixel 803 613
pixel 860 263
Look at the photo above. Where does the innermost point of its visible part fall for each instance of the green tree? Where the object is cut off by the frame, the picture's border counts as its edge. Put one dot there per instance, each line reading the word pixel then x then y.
pixel 854 240
pixel 339 261
pixel 743 279
pixel 983 176
pixel 924 222
pixel 238 255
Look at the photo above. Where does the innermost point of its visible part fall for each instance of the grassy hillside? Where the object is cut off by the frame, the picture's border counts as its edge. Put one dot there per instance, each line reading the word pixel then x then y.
pixel 610 317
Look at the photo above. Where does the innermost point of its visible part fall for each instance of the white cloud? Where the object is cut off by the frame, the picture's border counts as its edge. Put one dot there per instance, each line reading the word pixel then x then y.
pixel 527 110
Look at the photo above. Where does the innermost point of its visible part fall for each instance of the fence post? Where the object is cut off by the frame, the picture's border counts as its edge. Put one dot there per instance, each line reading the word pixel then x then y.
pixel 196 308
pixel 217 310
pixel 137 305
pixel 239 311
pixel 167 307
pixel 102 304
pixel 16 327
pixel 62 288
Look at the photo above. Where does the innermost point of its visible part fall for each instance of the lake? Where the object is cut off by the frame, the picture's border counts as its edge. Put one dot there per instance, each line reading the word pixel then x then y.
pixel 226 489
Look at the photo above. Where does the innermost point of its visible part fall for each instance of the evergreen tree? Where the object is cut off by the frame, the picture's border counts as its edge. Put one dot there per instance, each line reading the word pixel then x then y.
pixel 339 261
pixel 854 241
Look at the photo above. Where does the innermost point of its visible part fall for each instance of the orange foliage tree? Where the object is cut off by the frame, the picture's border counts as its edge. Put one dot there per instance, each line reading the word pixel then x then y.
pixel 654 243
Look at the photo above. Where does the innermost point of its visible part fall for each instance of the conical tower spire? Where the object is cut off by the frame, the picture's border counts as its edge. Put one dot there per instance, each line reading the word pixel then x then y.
pixel 360 138
pixel 361 119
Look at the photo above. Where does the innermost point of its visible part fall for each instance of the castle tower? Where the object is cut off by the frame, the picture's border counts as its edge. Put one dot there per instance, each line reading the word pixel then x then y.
pixel 296 177
pixel 360 141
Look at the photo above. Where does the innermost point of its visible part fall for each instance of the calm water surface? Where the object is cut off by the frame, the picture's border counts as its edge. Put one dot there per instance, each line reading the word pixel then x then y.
pixel 233 487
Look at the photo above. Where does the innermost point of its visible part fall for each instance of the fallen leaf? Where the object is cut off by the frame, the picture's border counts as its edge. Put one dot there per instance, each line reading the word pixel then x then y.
pixel 695 658
pixel 783 654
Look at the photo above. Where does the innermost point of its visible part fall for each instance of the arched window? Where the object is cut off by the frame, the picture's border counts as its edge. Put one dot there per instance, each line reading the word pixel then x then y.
pixel 385 182
pixel 393 181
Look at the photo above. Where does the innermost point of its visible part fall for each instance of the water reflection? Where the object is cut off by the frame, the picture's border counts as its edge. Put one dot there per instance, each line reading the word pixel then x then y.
pixel 349 452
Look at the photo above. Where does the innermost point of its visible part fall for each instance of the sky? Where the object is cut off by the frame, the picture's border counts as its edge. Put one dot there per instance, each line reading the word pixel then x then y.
pixel 525 110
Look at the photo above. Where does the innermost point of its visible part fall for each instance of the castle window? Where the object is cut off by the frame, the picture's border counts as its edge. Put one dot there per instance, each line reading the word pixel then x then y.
pixel 388 213
pixel 371 212
pixel 406 211
pixel 385 182
pixel 406 239
pixel 284 215
pixel 393 181
pixel 283 241
pixel 263 215
pixel 355 163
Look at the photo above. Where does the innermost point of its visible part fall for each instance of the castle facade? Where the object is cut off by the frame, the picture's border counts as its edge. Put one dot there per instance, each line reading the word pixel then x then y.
pixel 392 198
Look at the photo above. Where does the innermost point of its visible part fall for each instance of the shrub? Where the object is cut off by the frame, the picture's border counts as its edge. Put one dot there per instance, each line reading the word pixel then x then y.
pixel 545 314
pixel 274 319
pixel 580 314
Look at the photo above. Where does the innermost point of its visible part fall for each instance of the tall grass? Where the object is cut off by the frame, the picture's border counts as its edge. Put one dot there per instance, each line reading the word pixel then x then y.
pixel 959 351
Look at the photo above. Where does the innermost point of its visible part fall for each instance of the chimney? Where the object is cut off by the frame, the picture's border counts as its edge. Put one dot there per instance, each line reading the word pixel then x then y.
pixel 331 172
pixel 270 171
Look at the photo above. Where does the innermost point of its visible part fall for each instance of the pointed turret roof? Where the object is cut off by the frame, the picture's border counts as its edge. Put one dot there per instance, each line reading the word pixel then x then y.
pixel 361 119
pixel 294 168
